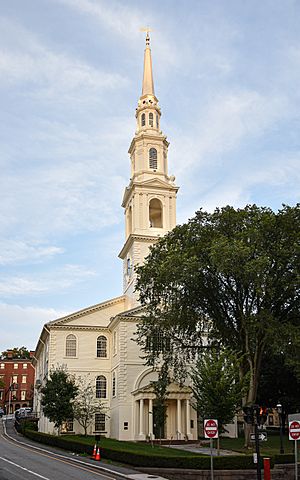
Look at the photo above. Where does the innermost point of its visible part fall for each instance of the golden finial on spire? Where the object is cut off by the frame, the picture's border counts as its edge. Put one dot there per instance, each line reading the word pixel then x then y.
pixel 147 30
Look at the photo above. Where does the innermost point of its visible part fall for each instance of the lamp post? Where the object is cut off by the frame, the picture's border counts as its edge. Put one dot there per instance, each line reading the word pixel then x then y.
pixel 279 411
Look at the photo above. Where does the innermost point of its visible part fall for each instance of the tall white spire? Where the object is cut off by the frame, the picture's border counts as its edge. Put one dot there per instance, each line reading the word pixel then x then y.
pixel 148 86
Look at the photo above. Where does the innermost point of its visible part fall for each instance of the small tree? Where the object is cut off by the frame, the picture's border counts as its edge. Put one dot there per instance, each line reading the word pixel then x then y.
pixel 86 405
pixel 160 390
pixel 216 387
pixel 58 396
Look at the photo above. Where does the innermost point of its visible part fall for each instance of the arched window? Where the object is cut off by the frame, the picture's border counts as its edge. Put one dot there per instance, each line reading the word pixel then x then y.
pixel 157 122
pixel 101 387
pixel 102 346
pixel 143 120
pixel 151 119
pixel 155 213
pixel 71 346
pixel 153 158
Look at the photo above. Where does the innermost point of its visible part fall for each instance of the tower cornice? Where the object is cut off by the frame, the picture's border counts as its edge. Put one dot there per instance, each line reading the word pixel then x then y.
pixel 147 136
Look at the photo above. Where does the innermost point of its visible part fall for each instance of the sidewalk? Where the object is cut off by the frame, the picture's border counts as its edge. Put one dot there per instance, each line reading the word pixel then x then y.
pixel 195 448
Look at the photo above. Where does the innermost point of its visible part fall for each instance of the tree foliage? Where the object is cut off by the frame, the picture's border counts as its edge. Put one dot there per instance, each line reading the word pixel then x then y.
pixel 231 275
pixel 17 352
pixel 58 396
pixel 160 388
pixel 217 389
pixel 278 383
pixel 86 405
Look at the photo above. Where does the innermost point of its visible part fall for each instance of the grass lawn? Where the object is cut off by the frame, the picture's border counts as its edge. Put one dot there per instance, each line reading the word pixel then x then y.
pixel 270 447
pixel 134 447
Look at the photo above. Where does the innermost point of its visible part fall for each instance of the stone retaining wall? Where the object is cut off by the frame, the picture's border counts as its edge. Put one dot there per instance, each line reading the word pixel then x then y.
pixel 280 472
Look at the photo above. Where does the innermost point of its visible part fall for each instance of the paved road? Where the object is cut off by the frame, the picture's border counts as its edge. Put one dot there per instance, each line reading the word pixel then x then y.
pixel 21 459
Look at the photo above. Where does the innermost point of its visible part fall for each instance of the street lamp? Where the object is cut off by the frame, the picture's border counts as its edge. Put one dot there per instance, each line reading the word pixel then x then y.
pixel 279 411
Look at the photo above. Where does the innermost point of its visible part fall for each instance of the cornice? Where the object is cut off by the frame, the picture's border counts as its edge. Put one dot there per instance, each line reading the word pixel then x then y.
pixel 143 135
pixel 80 327
pixel 140 238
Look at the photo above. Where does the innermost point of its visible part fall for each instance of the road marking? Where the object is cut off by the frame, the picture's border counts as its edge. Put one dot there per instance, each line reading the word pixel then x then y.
pixel 68 461
pixel 23 468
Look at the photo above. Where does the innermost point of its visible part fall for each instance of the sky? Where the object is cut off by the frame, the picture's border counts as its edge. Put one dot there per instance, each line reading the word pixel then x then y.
pixel 227 77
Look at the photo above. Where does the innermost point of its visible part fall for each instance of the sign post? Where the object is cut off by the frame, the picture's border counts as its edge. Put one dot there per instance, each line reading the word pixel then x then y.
pixel 211 432
pixel 294 434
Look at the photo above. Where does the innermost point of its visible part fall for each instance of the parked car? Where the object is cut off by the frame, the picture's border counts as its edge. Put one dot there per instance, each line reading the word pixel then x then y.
pixel 23 412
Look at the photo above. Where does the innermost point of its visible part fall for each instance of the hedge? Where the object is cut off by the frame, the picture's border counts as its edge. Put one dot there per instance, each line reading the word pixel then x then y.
pixel 232 462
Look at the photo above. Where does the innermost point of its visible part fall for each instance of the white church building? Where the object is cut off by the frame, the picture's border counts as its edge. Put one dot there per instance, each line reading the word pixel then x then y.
pixel 98 341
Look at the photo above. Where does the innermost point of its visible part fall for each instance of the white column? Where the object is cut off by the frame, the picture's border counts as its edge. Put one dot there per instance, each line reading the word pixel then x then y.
pixel 188 418
pixel 141 416
pixel 179 418
pixel 150 428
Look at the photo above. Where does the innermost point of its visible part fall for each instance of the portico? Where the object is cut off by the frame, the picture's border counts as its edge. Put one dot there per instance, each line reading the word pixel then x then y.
pixel 181 417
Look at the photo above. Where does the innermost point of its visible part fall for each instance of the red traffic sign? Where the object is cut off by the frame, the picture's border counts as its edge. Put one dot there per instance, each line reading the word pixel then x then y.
pixel 294 430
pixel 211 428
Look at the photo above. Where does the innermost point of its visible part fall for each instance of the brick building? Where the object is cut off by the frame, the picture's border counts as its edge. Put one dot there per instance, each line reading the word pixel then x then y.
pixel 17 374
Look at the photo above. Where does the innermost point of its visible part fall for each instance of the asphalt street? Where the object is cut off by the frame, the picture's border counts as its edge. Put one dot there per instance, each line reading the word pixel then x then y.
pixel 22 459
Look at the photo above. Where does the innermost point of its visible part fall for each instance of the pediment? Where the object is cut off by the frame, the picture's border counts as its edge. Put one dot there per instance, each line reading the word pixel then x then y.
pixel 99 314
pixel 156 183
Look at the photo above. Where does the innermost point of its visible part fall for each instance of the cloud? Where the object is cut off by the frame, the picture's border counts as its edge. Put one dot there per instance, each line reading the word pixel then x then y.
pixel 48 74
pixel 22 325
pixel 37 284
pixel 19 251
pixel 126 21
pixel 228 120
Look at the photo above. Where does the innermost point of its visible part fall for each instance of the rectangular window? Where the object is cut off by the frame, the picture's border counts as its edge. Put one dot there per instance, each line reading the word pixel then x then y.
pixel 125 425
pixel 1 394
pixel 24 365
pixel 14 395
pixel 2 366
pixel 15 379
pixel 24 378
pixel 100 422
pixel 23 395
pixel 16 365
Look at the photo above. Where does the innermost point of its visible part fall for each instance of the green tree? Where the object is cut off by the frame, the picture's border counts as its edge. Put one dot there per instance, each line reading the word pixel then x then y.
pixel 17 352
pixel 278 384
pixel 160 388
pixel 217 389
pixel 231 275
pixel 86 405
pixel 58 396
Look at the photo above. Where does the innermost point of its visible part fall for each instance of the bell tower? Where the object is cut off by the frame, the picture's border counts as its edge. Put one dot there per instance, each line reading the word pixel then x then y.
pixel 150 198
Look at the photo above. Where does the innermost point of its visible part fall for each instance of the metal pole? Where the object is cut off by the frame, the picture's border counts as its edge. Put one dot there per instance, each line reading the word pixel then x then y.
pixel 281 434
pixel 257 449
pixel 296 461
pixel 211 460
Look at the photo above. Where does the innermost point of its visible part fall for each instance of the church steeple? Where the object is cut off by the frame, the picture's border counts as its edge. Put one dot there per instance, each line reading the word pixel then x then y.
pixel 148 86
pixel 150 198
